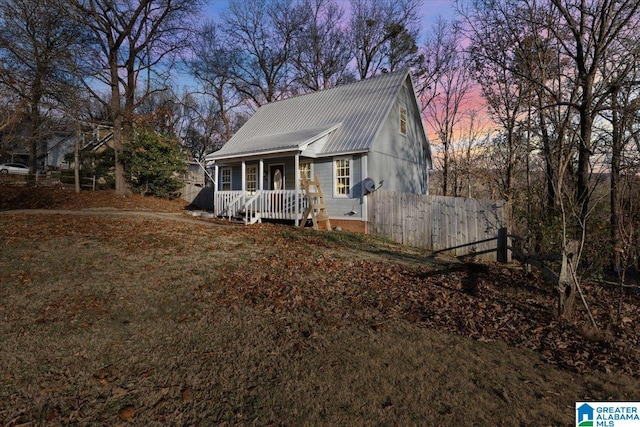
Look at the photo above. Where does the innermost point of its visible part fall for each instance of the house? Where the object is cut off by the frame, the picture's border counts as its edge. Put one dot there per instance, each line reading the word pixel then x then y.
pixel 53 139
pixel 98 139
pixel 355 138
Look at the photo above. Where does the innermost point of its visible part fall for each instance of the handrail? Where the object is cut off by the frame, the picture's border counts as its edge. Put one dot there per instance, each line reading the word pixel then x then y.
pixel 253 207
pixel 225 200
pixel 235 205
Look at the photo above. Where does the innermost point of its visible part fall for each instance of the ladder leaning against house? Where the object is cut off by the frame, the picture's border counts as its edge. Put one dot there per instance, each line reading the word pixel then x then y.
pixel 315 203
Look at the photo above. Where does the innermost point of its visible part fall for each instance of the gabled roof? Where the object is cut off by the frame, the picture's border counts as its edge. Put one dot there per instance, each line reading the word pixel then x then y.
pixel 345 118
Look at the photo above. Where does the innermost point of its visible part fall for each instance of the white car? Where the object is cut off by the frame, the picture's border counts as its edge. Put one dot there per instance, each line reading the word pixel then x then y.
pixel 17 168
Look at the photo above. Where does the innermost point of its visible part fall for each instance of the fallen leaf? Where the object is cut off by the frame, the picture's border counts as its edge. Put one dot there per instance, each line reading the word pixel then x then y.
pixel 127 413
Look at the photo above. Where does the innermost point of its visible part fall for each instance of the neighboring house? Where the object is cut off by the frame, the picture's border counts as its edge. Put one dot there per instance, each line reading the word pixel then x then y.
pixel 57 146
pixel 56 141
pixel 194 174
pixel 98 139
pixel 355 138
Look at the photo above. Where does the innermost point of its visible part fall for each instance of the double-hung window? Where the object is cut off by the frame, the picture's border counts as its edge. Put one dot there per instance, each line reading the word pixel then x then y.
pixel 305 170
pixel 225 179
pixel 252 179
pixel 342 168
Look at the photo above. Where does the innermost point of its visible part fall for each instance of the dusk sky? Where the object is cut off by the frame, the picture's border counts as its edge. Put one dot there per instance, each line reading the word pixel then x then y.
pixel 431 9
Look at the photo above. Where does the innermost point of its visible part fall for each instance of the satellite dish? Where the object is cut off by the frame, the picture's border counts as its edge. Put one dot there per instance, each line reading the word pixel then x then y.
pixel 369 185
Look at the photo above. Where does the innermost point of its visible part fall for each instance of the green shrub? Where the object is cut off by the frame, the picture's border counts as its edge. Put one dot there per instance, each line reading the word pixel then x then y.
pixel 151 163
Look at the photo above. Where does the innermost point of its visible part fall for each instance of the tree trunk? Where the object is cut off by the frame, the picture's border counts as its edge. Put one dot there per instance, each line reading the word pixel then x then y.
pixel 616 152
pixel 584 150
pixel 121 185
pixel 76 156
pixel 116 109
pixel 32 135
pixel 445 170
pixel 567 286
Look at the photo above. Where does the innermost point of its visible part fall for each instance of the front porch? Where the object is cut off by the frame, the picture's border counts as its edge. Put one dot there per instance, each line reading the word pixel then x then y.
pixel 253 207
pixel 261 188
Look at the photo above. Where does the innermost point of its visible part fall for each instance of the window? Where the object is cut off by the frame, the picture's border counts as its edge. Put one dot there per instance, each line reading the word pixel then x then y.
pixel 403 121
pixel 226 179
pixel 252 179
pixel 305 169
pixel 342 174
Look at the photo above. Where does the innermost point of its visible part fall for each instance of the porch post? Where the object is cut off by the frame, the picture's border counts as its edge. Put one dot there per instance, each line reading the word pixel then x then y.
pixel 296 168
pixel 261 175
pixel 215 189
pixel 244 176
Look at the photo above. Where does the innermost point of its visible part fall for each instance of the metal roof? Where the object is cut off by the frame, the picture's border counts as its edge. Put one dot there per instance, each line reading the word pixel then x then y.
pixel 350 114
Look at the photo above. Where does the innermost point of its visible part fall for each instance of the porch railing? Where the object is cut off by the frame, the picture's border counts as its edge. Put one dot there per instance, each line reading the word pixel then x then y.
pixel 266 204
pixel 281 204
pixel 228 203
pixel 253 208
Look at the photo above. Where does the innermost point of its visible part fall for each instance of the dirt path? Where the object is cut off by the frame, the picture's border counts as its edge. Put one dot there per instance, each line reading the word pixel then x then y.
pixel 168 216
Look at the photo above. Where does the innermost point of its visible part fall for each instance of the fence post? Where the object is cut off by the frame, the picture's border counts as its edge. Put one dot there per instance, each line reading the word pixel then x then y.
pixel 502 245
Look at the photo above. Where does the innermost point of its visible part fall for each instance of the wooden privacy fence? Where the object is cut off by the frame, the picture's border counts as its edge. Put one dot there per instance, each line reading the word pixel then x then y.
pixel 453 225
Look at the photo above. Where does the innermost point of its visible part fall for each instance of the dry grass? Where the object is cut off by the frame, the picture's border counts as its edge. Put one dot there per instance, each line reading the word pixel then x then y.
pixel 116 320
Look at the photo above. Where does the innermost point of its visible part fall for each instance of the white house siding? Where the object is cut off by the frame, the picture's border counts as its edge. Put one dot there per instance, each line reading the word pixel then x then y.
pixel 400 160
pixel 341 207
pixel 338 207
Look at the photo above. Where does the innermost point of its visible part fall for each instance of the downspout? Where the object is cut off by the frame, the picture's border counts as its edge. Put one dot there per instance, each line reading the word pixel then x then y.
pixel 365 202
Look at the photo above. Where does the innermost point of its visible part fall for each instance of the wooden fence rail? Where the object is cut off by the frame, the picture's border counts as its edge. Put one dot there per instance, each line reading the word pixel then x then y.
pixel 454 225
pixel 47 179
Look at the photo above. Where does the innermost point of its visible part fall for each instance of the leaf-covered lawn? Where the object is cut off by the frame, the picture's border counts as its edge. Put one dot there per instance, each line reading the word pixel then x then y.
pixel 110 319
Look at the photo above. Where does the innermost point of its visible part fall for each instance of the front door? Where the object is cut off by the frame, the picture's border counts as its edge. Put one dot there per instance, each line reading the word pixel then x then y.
pixel 276 177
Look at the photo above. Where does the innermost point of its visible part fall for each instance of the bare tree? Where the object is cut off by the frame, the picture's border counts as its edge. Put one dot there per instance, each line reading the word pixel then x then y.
pixel 384 35
pixel 204 130
pixel 509 99
pixel 473 133
pixel 10 107
pixel 213 67
pixel 621 130
pixel 445 93
pixel 38 41
pixel 321 51
pixel 591 31
pixel 262 33
pixel 133 38
pixel 583 35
